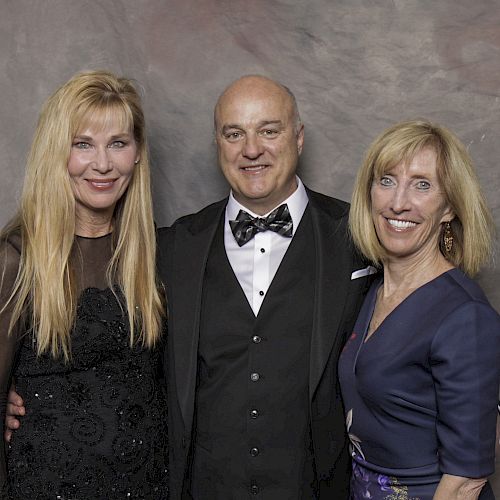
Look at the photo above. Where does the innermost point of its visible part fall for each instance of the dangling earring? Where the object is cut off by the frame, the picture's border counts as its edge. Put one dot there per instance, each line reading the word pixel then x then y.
pixel 448 237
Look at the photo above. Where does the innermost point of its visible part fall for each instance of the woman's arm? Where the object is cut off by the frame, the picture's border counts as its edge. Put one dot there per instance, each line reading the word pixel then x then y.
pixel 459 488
pixel 466 373
pixel 9 263
pixel 15 409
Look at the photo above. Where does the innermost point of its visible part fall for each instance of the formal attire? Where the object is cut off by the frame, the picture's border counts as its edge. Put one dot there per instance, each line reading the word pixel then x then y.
pixel 254 338
pixel 420 393
pixel 96 425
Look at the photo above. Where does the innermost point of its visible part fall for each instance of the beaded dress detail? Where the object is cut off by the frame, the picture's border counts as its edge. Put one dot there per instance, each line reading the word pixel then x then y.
pixel 96 426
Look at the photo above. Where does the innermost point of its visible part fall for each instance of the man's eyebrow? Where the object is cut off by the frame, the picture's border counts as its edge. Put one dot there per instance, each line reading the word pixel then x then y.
pixel 261 124
pixel 230 126
pixel 270 122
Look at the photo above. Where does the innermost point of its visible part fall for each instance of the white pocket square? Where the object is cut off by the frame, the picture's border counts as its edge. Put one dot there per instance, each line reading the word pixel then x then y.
pixel 363 272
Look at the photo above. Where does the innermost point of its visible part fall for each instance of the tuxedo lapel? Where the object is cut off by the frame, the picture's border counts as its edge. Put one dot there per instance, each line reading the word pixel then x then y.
pixel 332 285
pixel 191 248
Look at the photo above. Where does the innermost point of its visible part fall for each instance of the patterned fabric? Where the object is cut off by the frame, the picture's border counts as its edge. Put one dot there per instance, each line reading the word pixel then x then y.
pixel 96 427
pixel 245 227
pixel 367 484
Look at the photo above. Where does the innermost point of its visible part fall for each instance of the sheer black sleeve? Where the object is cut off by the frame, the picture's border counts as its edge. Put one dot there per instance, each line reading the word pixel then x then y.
pixel 9 264
pixel 90 257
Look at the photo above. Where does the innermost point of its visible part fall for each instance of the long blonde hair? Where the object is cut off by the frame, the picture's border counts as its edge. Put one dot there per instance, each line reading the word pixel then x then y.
pixel 44 288
pixel 472 228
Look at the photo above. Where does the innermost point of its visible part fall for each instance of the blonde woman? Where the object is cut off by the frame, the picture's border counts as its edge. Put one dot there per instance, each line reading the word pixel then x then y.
pixel 420 373
pixel 81 312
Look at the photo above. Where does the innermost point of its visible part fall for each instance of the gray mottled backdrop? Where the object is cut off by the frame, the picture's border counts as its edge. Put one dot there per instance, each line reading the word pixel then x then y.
pixel 356 67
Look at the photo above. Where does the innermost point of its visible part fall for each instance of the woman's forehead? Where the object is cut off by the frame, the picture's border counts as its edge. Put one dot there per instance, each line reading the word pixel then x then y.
pixel 404 158
pixel 106 118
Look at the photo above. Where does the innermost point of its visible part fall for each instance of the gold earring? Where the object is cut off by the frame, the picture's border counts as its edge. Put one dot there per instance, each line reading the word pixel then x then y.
pixel 448 238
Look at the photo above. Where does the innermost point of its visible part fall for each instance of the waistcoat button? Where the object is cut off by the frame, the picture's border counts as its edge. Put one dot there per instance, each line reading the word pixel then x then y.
pixel 254 452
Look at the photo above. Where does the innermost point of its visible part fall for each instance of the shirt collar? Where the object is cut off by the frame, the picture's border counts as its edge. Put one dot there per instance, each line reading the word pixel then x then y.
pixel 297 203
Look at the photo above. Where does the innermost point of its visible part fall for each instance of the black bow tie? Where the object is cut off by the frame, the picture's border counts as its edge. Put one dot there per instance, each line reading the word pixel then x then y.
pixel 245 227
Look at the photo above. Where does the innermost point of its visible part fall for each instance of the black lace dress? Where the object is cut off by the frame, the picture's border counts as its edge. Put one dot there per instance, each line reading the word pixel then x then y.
pixel 96 427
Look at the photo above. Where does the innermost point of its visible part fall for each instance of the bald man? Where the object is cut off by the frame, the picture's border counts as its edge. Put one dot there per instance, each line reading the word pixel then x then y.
pixel 263 288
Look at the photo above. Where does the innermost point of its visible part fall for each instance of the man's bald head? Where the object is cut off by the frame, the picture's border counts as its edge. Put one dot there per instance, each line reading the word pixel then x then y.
pixel 257 84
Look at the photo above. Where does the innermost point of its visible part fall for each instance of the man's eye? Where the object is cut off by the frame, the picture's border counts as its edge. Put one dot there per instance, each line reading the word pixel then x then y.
pixel 269 132
pixel 232 136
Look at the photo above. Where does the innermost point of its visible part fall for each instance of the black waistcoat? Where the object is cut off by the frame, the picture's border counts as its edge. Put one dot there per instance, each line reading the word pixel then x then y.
pixel 252 428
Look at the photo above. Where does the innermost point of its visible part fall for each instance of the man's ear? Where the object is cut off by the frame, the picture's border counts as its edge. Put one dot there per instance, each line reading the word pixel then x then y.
pixel 300 139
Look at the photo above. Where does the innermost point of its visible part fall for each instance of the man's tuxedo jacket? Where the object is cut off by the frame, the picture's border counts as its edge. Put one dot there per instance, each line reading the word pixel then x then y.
pixel 182 255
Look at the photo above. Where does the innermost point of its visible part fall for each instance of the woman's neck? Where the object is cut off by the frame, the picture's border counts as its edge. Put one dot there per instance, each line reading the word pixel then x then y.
pixel 93 227
pixel 403 276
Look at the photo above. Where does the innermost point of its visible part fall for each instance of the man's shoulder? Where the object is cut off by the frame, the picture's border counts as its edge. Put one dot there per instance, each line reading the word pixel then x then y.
pixel 331 206
pixel 335 213
pixel 209 213
pixel 196 221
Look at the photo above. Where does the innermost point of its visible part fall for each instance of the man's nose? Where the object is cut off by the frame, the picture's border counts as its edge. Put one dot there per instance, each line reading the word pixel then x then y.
pixel 252 147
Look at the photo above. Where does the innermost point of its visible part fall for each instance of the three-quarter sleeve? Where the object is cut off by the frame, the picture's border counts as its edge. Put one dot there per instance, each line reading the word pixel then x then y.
pixel 465 364
pixel 9 264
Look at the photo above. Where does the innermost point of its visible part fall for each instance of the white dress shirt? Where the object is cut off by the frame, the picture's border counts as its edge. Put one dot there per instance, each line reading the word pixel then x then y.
pixel 256 262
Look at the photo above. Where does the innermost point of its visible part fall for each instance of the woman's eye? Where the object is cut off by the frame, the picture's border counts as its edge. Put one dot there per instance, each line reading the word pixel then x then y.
pixel 386 181
pixel 81 145
pixel 423 185
pixel 117 144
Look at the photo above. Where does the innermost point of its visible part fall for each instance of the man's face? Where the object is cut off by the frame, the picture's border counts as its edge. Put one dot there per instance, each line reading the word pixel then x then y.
pixel 258 142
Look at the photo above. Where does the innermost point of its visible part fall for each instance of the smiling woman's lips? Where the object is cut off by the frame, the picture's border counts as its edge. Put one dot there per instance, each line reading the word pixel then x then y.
pixel 101 184
pixel 401 224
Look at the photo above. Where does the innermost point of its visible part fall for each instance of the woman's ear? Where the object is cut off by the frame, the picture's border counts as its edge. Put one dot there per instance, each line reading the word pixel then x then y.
pixel 448 214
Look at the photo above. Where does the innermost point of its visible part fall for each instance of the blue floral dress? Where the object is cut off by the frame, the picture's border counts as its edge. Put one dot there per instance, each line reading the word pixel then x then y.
pixel 420 394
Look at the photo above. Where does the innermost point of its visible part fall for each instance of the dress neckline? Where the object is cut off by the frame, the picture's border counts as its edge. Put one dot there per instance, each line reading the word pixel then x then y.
pixel 406 299
pixel 108 235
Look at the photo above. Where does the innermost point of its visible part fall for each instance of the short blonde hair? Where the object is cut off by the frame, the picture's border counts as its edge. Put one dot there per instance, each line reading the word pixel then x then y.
pixel 44 285
pixel 472 227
